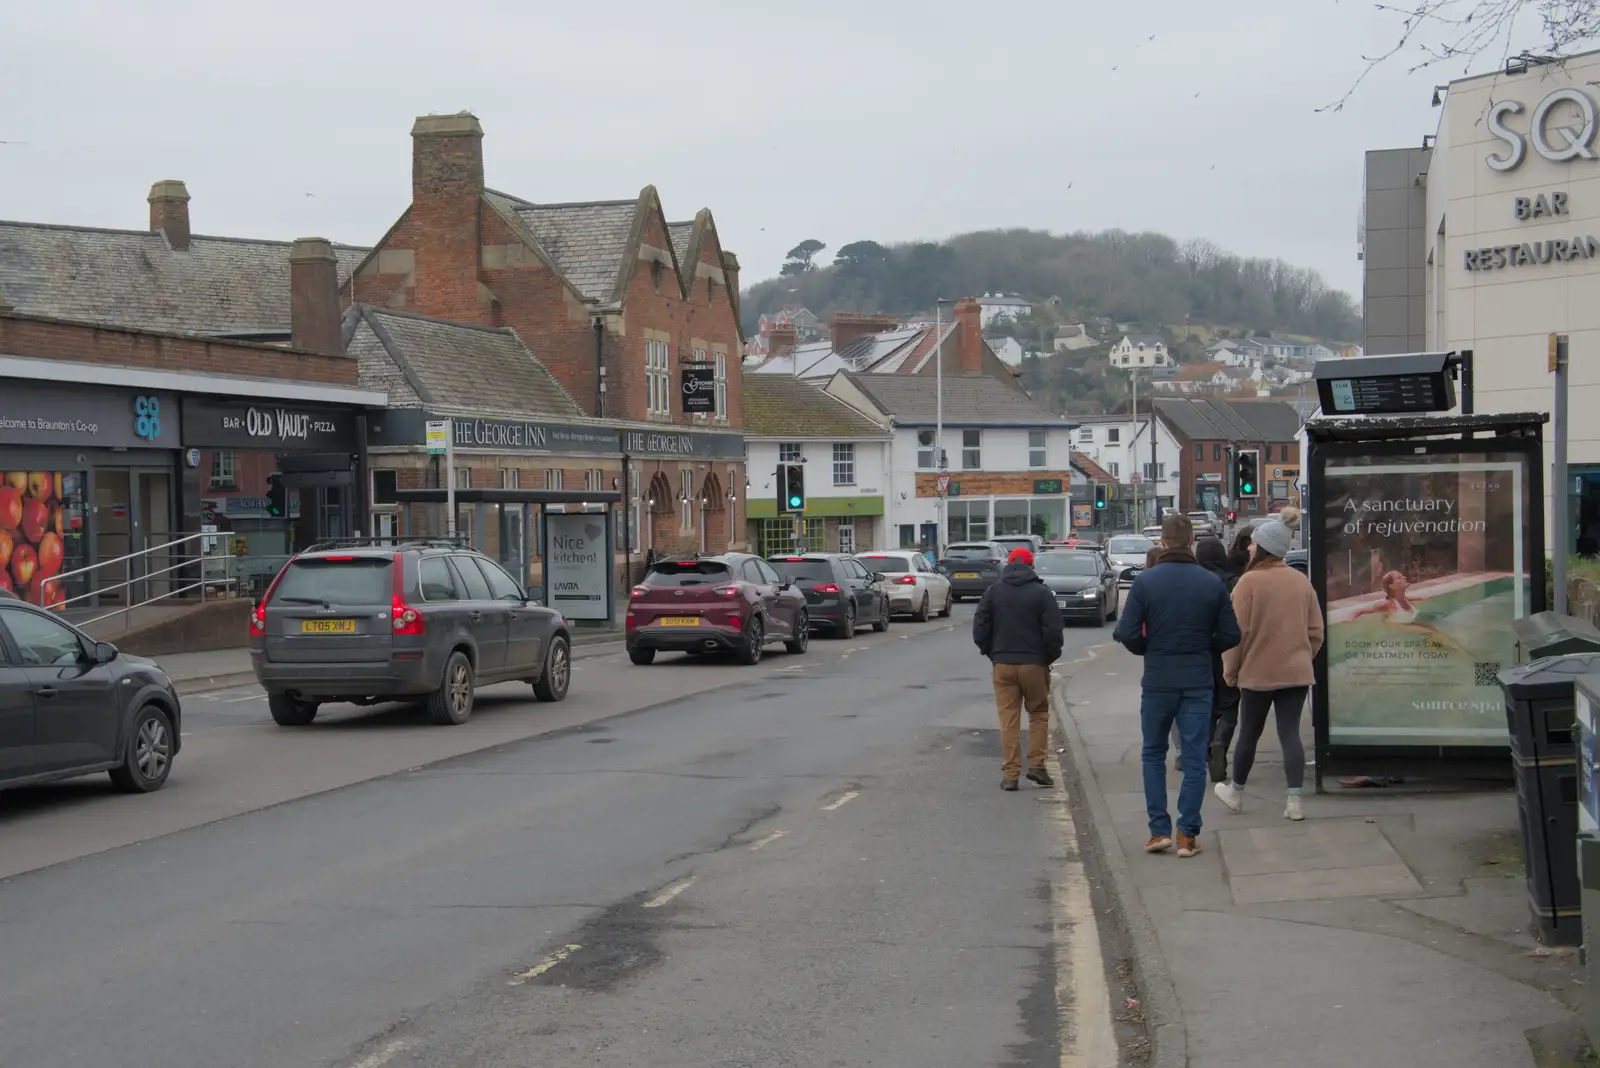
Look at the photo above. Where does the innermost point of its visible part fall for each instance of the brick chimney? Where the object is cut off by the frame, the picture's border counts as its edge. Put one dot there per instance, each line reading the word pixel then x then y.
pixel 969 319
pixel 169 212
pixel 847 327
pixel 781 339
pixel 314 315
pixel 446 192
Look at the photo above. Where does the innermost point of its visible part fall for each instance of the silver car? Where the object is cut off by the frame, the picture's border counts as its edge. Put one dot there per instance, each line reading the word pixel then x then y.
pixel 1128 553
pixel 421 620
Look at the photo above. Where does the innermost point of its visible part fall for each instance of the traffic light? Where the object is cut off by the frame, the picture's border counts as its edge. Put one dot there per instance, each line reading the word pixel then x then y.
pixel 1249 473
pixel 1099 496
pixel 277 496
pixel 791 488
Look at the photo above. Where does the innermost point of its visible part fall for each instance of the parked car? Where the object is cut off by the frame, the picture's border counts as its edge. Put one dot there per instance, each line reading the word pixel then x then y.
pixel 915 587
pixel 1084 585
pixel 428 620
pixel 70 705
pixel 732 602
pixel 971 567
pixel 1031 542
pixel 841 595
pixel 1205 522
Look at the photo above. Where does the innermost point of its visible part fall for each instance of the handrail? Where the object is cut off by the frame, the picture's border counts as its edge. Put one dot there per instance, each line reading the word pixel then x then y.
pixel 197 560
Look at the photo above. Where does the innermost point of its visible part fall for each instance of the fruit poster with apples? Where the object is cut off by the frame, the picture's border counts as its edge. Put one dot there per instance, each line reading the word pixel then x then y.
pixel 41 533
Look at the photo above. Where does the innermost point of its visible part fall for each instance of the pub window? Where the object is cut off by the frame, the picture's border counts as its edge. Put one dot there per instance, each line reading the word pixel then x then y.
pixel 222 473
pixel 508 478
pixel 463 478
pixel 385 486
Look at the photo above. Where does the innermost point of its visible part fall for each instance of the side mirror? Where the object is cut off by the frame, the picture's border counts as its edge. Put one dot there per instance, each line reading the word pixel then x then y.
pixel 782 586
pixel 535 594
pixel 104 652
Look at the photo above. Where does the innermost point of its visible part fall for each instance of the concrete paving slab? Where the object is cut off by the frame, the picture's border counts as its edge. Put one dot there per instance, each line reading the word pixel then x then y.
pixel 1377 880
pixel 1313 844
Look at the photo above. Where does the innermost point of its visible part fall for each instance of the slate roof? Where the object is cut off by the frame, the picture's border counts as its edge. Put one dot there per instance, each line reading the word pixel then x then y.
pixel 680 232
pixel 968 401
pixel 1149 341
pixel 779 407
pixel 1215 419
pixel 434 363
pixel 586 242
pixel 132 278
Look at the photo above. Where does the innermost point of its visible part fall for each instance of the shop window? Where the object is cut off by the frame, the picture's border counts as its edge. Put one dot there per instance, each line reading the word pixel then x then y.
pixel 844 464
pixel 908 536
pixel 847 535
pixel 971 450
pixel 385 486
pixel 967 520
pixel 1011 518
pixel 778 536
pixel 222 473
pixel 1036 449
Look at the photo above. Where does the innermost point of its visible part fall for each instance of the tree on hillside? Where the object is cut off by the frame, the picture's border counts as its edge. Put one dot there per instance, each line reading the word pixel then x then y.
pixel 1437 31
pixel 799 258
pixel 861 266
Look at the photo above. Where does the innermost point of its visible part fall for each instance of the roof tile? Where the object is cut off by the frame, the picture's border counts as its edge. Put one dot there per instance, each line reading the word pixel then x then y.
pixel 777 406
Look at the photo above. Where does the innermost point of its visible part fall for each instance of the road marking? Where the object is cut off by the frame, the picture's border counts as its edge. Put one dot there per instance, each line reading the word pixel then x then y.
pixel 668 894
pixel 1083 998
pixel 844 799
pixel 543 966
pixel 246 697
pixel 768 840
pixel 383 1055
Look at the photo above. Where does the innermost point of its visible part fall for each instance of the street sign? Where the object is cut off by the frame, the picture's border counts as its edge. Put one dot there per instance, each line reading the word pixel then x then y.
pixel 1136 479
pixel 944 484
pixel 438 436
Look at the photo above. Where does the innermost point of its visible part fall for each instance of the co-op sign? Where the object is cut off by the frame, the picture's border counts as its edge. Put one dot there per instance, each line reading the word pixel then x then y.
pixel 1558 144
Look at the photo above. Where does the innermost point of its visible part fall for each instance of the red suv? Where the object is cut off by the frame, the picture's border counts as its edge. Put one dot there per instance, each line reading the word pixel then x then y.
pixel 728 603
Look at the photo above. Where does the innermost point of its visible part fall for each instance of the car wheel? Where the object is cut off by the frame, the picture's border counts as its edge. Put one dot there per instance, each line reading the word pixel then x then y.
pixel 949 603
pixel 883 619
pixel 451 704
pixel 642 657
pixel 802 635
pixel 288 712
pixel 755 637
pixel 921 614
pixel 552 685
pixel 848 630
pixel 148 758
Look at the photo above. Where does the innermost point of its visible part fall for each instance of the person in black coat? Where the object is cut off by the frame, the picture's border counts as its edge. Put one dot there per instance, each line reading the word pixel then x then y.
pixel 1018 627
pixel 1225 699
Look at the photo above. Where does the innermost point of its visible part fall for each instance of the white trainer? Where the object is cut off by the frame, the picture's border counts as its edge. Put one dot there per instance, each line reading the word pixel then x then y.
pixel 1233 799
pixel 1293 810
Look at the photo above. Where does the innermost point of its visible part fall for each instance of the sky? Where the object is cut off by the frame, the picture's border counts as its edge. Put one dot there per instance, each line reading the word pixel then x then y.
pixel 880 119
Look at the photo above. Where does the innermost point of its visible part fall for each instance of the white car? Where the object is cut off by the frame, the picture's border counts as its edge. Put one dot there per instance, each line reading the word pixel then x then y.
pixel 915 588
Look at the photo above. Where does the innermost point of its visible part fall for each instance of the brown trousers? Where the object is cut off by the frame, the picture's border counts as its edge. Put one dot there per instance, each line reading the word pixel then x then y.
pixel 1014 686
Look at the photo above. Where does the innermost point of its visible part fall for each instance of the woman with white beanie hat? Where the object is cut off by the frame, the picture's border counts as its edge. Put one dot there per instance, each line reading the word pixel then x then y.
pixel 1280 622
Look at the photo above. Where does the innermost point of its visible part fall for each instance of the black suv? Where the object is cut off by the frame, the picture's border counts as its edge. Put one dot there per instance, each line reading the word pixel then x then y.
pixel 365 623
pixel 841 594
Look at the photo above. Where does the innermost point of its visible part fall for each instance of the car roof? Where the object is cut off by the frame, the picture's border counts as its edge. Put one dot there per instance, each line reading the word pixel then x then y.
pixel 13 603
pixel 901 554
pixel 807 556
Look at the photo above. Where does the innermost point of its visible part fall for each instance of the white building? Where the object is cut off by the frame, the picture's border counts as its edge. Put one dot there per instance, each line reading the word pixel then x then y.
pixel 1072 337
pixel 1139 350
pixel 1121 444
pixel 1009 349
pixel 997 306
pixel 1490 241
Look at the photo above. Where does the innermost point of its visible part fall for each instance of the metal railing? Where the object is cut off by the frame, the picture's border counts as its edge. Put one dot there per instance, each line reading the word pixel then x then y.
pixel 142 585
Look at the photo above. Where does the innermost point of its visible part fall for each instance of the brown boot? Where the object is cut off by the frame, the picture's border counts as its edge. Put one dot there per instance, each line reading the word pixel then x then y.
pixel 1188 845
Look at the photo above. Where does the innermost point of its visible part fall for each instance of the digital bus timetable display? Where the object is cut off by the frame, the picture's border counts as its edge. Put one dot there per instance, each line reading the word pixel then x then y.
pixel 1404 384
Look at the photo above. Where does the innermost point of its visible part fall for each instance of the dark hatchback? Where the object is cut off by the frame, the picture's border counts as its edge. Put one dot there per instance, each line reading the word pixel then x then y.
pixel 1084 583
pixel 732 603
pixel 72 706
pixel 971 568
pixel 840 593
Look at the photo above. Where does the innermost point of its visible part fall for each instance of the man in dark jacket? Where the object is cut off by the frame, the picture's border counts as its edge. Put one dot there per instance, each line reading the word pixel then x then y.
pixel 1018 627
pixel 1179 618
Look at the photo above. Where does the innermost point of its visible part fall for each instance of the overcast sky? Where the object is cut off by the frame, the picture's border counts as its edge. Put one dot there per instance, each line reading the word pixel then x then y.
pixel 883 119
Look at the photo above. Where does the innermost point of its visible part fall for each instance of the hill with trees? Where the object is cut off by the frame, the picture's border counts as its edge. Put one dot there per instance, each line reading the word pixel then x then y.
pixel 1148 279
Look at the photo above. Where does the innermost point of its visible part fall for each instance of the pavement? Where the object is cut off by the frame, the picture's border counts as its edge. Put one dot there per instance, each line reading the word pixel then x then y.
pixel 1391 926
pixel 803 863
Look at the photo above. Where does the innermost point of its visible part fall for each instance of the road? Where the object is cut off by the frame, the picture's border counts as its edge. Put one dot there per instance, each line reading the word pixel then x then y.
pixel 804 863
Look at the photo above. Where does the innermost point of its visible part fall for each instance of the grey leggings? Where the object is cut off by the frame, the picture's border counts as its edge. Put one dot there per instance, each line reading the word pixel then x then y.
pixel 1253 708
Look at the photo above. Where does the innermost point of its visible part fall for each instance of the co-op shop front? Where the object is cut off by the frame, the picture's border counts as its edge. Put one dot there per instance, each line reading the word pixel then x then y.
pixel 91 474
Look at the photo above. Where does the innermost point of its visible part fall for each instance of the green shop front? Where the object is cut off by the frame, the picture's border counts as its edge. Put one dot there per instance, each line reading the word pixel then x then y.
pixel 829 524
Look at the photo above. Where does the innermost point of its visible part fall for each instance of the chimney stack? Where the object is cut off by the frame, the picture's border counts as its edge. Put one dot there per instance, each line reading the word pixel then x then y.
pixel 314 315
pixel 848 327
pixel 969 317
pixel 169 212
pixel 730 278
pixel 446 189
pixel 781 340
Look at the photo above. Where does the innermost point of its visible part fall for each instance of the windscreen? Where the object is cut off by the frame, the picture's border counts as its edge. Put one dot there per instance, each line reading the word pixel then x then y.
pixel 1065 563
pixel 359 580
pixel 885 565
pixel 802 570
pixel 969 552
pixel 688 573
pixel 1129 545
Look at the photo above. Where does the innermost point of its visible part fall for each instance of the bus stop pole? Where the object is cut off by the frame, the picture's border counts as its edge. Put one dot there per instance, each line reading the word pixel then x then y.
pixel 1558 474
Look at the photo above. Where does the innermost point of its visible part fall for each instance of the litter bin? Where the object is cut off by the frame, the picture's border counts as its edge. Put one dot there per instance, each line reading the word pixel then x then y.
pixel 1540 707
pixel 1586 736
pixel 1548 634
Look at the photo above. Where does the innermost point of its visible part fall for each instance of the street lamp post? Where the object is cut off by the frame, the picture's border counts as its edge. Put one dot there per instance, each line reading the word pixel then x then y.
pixel 938 417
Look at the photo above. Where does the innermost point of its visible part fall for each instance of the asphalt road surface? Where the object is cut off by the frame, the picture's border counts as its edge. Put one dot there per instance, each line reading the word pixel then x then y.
pixel 692 864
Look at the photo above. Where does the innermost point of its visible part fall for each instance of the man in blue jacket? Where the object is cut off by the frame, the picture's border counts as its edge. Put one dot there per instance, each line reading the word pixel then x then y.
pixel 1179 617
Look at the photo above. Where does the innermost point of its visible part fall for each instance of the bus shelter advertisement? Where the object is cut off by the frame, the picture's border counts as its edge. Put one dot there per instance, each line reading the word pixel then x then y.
pixel 1427 565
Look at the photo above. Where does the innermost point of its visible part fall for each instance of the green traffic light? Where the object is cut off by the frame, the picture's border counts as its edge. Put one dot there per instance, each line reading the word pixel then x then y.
pixel 794 502
pixel 1246 488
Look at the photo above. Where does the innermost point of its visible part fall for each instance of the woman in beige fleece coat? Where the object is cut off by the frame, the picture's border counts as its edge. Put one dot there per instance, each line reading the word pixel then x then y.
pixel 1281 624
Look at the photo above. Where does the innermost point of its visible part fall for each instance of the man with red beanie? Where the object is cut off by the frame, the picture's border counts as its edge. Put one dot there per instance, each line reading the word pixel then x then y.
pixel 1018 627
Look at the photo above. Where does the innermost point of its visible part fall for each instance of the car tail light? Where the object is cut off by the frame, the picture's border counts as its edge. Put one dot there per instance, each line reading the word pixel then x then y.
pixel 826 587
pixel 258 615
pixel 906 580
pixel 406 620
pixel 729 592
pixel 640 591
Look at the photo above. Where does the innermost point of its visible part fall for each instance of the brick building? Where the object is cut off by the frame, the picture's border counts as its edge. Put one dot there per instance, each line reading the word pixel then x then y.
pixel 609 296
pixel 1204 429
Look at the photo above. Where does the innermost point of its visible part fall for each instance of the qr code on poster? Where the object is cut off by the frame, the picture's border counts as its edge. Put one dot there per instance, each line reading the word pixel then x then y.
pixel 1485 673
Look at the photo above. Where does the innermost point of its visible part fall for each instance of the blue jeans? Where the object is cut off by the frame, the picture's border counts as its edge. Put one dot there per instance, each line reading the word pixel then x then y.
pixel 1191 711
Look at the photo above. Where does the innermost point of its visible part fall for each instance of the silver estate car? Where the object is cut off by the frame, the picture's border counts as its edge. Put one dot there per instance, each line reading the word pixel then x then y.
pixel 424 620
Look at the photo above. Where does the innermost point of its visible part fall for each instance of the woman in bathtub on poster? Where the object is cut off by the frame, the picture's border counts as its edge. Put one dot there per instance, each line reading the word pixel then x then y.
pixel 1399 611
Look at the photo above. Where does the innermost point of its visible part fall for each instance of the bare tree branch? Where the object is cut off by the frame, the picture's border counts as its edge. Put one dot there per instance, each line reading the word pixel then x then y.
pixel 1436 31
